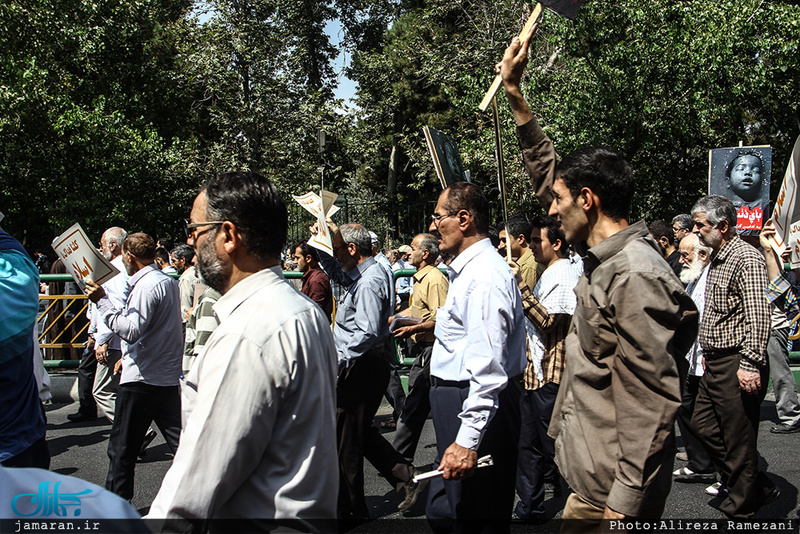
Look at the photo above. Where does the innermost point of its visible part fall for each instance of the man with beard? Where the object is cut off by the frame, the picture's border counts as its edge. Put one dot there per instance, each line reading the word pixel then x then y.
pixel 150 328
pixel 733 334
pixel 259 440
pixel 108 347
pixel 694 260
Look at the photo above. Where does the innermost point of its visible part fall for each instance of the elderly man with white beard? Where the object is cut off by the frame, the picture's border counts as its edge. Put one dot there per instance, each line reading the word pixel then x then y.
pixel 694 259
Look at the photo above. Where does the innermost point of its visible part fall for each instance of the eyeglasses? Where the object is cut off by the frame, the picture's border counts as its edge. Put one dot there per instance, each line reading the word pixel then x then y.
pixel 189 227
pixel 437 219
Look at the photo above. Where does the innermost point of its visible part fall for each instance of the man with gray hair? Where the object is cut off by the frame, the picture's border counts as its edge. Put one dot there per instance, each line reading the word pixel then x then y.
pixel 107 343
pixel 682 225
pixel 363 345
pixel 430 293
pixel 733 335
pixel 700 468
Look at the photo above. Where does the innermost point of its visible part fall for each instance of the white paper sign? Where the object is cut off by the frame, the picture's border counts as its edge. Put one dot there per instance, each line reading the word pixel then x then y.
pixel 82 260
pixel 320 206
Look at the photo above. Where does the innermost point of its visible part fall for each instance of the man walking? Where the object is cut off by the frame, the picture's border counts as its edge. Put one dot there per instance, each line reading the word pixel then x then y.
pixel 150 328
pixel 258 443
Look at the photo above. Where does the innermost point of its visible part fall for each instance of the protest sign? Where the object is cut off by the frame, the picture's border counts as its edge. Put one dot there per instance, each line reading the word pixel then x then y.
pixel 445 156
pixel 82 260
pixel 320 206
pixel 742 174
pixel 786 215
pixel 565 8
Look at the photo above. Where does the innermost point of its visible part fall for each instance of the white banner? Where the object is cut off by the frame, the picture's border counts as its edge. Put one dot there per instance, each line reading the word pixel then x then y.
pixel 82 260
pixel 786 215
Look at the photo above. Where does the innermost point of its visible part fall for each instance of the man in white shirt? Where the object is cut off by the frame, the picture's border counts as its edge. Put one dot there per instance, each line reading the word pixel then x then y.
pixel 150 327
pixel 259 436
pixel 479 350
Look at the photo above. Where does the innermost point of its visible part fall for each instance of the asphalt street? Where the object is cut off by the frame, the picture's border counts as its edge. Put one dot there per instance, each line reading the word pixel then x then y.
pixel 79 449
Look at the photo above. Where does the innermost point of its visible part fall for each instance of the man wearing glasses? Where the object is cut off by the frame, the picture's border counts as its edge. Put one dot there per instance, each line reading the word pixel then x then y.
pixel 479 351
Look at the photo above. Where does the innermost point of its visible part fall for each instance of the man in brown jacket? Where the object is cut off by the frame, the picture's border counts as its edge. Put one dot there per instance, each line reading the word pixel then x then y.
pixel 614 415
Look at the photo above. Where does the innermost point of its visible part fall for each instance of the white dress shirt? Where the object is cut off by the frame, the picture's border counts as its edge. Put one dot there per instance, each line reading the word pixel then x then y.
pixel 259 427
pixel 480 335
pixel 150 328
pixel 697 290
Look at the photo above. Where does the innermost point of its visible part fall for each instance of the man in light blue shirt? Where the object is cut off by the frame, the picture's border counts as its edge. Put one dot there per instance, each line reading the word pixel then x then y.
pixel 361 334
pixel 152 346
pixel 479 351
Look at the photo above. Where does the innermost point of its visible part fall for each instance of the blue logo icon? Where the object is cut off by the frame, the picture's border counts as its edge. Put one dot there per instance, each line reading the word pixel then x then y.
pixel 46 502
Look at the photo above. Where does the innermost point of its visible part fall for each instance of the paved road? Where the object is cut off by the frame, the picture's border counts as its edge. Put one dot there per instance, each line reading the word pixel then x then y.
pixel 79 449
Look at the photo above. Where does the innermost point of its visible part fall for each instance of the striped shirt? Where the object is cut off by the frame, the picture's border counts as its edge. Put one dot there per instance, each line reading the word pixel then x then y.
pixel 736 317
pixel 199 327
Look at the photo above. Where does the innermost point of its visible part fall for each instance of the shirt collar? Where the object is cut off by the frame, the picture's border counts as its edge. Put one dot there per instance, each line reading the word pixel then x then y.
pixel 356 273
pixel 421 273
pixel 244 289
pixel 138 275
pixel 726 249
pixel 612 245
pixel 461 261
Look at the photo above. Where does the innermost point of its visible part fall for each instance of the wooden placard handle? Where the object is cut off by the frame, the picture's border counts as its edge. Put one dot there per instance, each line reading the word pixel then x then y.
pixel 530 26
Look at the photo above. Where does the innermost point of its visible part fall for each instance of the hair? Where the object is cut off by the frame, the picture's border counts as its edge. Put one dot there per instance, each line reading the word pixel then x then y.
pixel 554 230
pixel 184 252
pixel 165 242
pixel 253 204
pixel 141 246
pixel 659 229
pixel 116 235
pixel 685 220
pixel 605 173
pixel 359 236
pixel 738 154
pixel 306 250
pixel 431 244
pixel 468 196
pixel 494 236
pixel 519 225
pixel 717 208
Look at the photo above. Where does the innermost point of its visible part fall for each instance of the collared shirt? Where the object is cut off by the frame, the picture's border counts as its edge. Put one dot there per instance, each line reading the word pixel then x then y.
pixel 199 327
pixel 737 315
pixel 317 287
pixel 614 415
pixel 621 390
pixel 480 336
pixel 697 290
pixel 362 317
pixel 117 290
pixel 259 427
pixel 186 283
pixel 403 284
pixel 384 262
pixel 529 268
pixel 150 328
pixel 550 307
pixel 430 293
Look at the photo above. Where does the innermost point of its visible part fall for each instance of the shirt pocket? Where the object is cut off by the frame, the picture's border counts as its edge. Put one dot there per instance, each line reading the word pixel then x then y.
pixel 720 300
pixel 587 322
pixel 449 330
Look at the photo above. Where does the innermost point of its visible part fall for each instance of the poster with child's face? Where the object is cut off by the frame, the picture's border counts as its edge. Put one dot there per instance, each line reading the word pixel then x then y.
pixel 742 174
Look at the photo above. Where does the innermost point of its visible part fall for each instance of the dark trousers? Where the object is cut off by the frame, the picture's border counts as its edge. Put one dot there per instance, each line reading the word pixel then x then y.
pixel 537 451
pixel 86 370
pixel 727 418
pixel 483 502
pixel 358 391
pixel 699 459
pixel 138 405
pixel 37 455
pixel 395 393
pixel 418 404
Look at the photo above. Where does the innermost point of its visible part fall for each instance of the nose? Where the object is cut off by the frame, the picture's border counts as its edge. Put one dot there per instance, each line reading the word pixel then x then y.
pixel 432 227
pixel 553 211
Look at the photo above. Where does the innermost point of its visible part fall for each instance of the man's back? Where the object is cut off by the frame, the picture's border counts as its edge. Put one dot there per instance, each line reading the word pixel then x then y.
pixel 266 385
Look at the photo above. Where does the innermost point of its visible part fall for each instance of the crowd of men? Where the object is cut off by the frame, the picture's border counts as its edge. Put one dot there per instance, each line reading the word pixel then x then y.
pixel 573 359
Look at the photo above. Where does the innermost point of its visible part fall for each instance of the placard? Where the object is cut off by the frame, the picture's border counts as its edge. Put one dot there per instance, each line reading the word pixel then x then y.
pixel 82 260
pixel 742 174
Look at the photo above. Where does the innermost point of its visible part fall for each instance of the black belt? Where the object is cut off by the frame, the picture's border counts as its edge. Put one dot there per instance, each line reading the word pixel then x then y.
pixel 438 382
